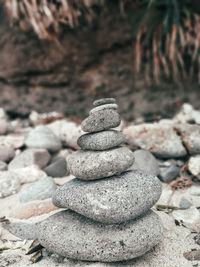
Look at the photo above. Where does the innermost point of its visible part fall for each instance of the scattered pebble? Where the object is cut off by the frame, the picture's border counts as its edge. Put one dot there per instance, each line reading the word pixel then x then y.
pixel 146 162
pixel 39 190
pixel 67 131
pixel 159 139
pixel 39 157
pixel 169 173
pixel 43 137
pixel 57 168
pixel 184 203
pixel 6 153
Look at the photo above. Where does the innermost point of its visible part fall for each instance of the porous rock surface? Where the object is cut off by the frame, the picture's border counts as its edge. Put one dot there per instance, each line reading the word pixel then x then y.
pixel 101 120
pixel 101 140
pixel 91 165
pixel 85 239
pixel 114 200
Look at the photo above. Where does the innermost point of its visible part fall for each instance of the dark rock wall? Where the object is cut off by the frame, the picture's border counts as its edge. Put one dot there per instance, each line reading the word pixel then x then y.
pixel 69 74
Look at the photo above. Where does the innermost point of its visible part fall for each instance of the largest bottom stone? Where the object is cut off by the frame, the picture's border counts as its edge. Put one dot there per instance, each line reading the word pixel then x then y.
pixel 74 236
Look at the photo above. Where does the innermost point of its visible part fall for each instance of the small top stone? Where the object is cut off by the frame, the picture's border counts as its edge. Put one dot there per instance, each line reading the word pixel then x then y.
pixel 101 120
pixel 103 101
pixel 103 107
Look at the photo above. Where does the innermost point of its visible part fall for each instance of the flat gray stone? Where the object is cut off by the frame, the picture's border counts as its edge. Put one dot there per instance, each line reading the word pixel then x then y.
pixel 91 165
pixel 101 140
pixel 74 236
pixel 104 101
pixel 3 166
pixel 145 162
pixel 114 200
pixel 103 107
pixel 39 157
pixel 43 137
pixel 57 168
pixel 22 230
pixel 101 120
pixel 6 153
pixel 39 190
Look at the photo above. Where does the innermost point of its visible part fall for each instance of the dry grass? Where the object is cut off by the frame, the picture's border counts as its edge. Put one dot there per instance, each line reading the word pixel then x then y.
pixel 46 16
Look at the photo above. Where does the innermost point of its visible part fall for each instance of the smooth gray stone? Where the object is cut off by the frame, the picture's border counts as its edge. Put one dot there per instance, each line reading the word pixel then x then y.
pixel 101 120
pixel 184 203
pixel 6 153
pixel 145 162
pixel 22 230
pixel 104 101
pixel 39 157
pixel 74 236
pixel 114 200
pixel 43 137
pixel 101 140
pixel 103 107
pixel 168 174
pixel 3 166
pixel 57 168
pixel 39 190
pixel 91 165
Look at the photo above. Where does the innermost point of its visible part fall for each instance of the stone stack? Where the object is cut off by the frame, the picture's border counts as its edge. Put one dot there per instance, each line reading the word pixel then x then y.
pixel 109 216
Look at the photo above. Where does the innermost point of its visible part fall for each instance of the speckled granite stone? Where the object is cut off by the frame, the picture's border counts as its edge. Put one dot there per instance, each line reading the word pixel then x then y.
pixel 114 200
pixel 101 140
pixel 103 107
pixel 101 120
pixel 74 236
pixel 91 165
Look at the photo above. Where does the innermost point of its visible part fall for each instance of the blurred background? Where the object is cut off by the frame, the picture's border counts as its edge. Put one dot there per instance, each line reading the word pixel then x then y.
pixel 62 54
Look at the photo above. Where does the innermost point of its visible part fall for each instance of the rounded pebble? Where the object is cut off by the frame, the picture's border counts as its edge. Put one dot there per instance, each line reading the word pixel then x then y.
pixel 101 120
pixel 91 165
pixel 101 140
pixel 103 101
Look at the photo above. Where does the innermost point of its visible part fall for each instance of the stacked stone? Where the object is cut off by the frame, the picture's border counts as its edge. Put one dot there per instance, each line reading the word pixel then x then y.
pixel 109 216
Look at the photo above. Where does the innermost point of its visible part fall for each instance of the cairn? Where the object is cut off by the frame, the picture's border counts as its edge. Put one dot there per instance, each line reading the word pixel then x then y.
pixel 108 214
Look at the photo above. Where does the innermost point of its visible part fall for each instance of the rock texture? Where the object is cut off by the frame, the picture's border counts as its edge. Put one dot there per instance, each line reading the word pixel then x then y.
pixel 114 200
pixel 91 165
pixel 160 139
pixel 85 239
pixel 102 120
pixel 101 140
